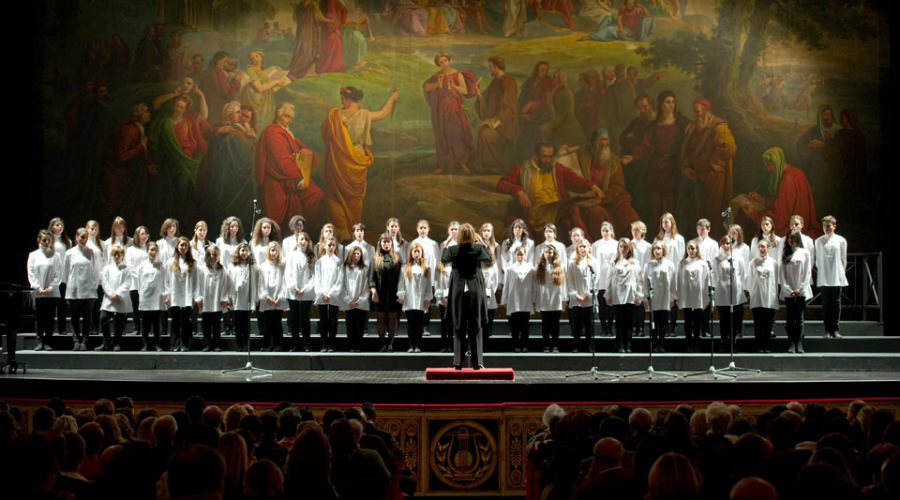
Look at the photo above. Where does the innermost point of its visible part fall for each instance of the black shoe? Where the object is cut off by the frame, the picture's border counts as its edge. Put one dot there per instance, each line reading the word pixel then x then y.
pixel 457 367
pixel 478 367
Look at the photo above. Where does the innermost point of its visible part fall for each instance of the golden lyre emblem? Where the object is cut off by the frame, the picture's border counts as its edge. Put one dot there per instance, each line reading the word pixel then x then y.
pixel 463 454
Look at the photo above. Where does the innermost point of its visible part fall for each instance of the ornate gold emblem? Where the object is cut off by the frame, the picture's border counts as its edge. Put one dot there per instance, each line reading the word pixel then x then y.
pixel 463 454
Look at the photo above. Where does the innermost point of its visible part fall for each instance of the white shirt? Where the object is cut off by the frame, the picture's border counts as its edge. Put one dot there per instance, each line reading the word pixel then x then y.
pixel 774 252
pixel 548 296
pixel 82 273
pixel 150 280
pixel 625 282
pixel 260 251
pixel 356 288
pixel 581 279
pixel 508 256
pixel 674 248
pixel 491 276
pixel 134 257
pixel 271 285
pixel 116 280
pixel 604 254
pixel 662 277
pixel 797 274
pixel 538 253
pixel 641 252
pixel 518 288
pixel 415 289
pixel 328 280
pixel 442 284
pixel 123 241
pixel 181 286
pixel 215 288
pixel 831 260
pixel 762 283
pixel 95 245
pixel 432 250
pixel 299 275
pixel 200 253
pixel 693 282
pixel 709 249
pixel 226 250
pixel 726 294
pixel 243 286
pixel 368 253
pixel 44 272
pixel 60 248
pixel 166 248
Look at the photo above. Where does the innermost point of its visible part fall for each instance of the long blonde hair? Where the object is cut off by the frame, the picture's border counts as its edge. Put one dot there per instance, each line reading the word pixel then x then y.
pixel 559 277
pixel 422 263
pixel 188 257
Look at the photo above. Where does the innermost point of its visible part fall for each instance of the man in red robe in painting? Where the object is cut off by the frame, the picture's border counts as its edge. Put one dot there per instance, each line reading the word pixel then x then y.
pixel 331 49
pixel 285 192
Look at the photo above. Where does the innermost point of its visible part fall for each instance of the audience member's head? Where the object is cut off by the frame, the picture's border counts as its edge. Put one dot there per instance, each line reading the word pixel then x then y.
pixel 194 406
pixel 718 417
pixel 43 418
pixel 104 406
pixel 672 477
pixel 263 480
pixel 640 421
pixel 288 420
pixel 164 430
pixel 753 488
pixel 553 413
pixel 233 416
pixel 608 454
pixel 212 417
pixel 195 470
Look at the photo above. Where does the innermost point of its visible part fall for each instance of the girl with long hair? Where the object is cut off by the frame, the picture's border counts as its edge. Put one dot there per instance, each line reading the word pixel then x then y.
pixel 115 281
pixel 355 301
pixel 180 295
pixel 581 280
pixel 604 252
pixel 401 246
pixel 516 237
pixel 766 232
pixel 414 293
pixel 662 283
pixel 796 288
pixel 326 233
pixel 242 273
pixel 118 235
pixel 625 291
pixel 729 294
pixel 762 285
pixel 668 234
pixel 693 296
pixel 82 270
pixel 214 293
pixel 550 295
pixel 491 271
pixel 272 296
pixel 61 244
pixel 383 287
pixel 328 283
pixel 299 277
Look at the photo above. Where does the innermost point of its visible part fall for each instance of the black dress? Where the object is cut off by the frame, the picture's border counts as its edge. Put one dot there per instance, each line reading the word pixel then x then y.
pixel 386 282
pixel 466 302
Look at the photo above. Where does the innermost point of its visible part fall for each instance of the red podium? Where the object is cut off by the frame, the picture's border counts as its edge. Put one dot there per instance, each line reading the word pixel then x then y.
pixel 470 374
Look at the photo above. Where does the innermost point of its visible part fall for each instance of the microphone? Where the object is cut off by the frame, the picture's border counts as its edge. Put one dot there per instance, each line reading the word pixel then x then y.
pixel 256 208
pixel 726 212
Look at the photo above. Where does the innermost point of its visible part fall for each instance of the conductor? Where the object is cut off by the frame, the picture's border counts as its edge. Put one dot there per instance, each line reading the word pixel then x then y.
pixel 466 303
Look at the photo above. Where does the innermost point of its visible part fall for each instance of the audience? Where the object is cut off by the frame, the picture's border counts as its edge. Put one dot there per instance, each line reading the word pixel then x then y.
pixel 792 451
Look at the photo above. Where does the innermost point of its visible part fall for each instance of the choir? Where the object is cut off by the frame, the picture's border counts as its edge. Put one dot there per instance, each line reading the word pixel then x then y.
pixel 616 281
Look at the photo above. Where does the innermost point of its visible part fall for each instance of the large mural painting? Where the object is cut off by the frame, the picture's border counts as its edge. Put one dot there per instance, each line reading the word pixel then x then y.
pixel 574 112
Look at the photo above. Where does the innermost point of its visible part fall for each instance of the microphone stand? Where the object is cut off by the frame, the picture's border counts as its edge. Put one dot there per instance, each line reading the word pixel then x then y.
pixel 650 371
pixel 712 304
pixel 595 310
pixel 732 367
pixel 249 365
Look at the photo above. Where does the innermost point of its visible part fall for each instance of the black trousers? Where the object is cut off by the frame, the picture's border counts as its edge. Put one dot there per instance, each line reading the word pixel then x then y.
pixel 660 327
pixel 356 324
pixel 387 322
pixel 796 312
pixel 150 320
pixel 624 314
pixel 136 314
pixel 182 329
pixel 605 313
pixel 118 322
pixel 763 319
pixel 518 327
pixel 82 314
pixel 415 324
pixel 831 308
pixel 550 328
pixel 582 319
pixel 212 328
pixel 693 325
pixel 298 319
pixel 242 328
pixel 328 321
pixel 95 313
pixel 446 328
pixel 44 310
pixel 468 334
pixel 273 333
pixel 61 304
pixel 730 324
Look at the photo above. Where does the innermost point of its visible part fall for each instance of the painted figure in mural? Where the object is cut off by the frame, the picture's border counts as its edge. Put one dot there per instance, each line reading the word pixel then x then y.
pixel 662 142
pixel 596 10
pixel 633 22
pixel 444 92
pixel 177 144
pixel 89 146
pixel 534 108
pixel 563 127
pixel 233 154
pixel 564 7
pixel 177 61
pixel 126 170
pixel 346 133
pixel 331 48
pixel 641 85
pixel 411 17
pixel 515 14
pixel 260 89
pixel 220 85
pixel 636 173
pixel 285 191
pixel 817 152
pixel 706 165
pixel 498 109
pixel 851 151
pixel 444 17
pixel 149 55
pixel 603 167
pixel 788 194
pixel 541 186
pixel 352 36
pixel 587 100
pixel 476 15
pixel 309 20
